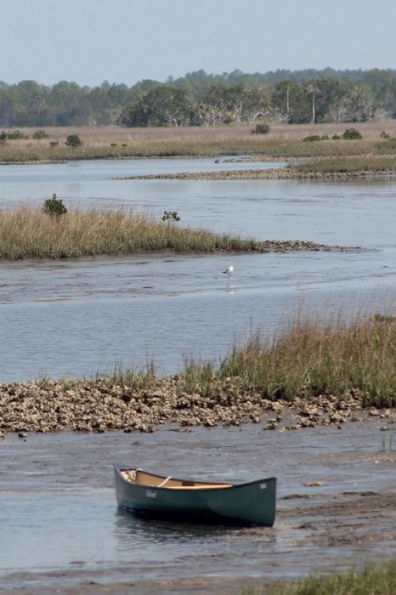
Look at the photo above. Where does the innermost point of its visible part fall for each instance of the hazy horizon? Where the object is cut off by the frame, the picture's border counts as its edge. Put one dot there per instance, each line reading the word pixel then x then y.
pixel 170 77
pixel 126 41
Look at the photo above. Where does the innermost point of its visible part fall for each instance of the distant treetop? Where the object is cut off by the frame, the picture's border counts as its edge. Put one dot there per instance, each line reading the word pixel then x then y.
pixel 199 98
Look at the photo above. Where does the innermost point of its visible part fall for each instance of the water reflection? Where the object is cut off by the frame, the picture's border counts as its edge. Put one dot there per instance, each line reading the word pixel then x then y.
pixel 131 527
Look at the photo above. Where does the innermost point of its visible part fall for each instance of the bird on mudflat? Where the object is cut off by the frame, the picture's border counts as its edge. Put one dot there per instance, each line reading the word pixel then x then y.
pixel 229 270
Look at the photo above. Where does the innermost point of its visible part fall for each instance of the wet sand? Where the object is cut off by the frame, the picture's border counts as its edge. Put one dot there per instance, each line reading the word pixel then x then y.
pixel 61 529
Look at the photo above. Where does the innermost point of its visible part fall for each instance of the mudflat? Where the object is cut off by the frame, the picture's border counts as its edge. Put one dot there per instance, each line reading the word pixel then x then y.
pixel 335 509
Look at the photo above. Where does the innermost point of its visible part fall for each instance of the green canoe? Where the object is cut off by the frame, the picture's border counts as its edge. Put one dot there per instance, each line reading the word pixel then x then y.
pixel 149 494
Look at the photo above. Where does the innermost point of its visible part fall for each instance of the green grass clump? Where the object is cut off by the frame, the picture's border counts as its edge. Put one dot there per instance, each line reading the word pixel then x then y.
pixel 31 233
pixel 310 359
pixel 380 580
pixel 144 378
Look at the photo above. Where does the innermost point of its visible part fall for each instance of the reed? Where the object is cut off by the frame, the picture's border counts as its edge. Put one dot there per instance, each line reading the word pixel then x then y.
pixel 30 233
pixel 311 358
pixel 135 379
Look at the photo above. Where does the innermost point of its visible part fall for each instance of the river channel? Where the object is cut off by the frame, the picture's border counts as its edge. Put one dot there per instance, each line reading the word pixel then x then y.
pixel 82 317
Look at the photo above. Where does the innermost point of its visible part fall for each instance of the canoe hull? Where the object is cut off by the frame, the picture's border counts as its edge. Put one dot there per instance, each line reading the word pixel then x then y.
pixel 251 503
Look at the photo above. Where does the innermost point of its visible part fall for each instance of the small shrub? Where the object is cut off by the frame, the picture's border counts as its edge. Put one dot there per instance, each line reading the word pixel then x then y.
pixel 261 129
pixel 54 207
pixel 313 138
pixel 382 318
pixel 16 135
pixel 124 145
pixel 54 143
pixel 351 134
pixel 39 134
pixel 113 144
pixel 336 137
pixel 73 140
pixel 325 137
pixel 170 216
pixel 384 134
pixel 388 145
pixel 228 118
pixel 3 136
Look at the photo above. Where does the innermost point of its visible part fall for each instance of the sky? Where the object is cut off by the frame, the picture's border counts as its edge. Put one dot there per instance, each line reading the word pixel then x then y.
pixel 125 41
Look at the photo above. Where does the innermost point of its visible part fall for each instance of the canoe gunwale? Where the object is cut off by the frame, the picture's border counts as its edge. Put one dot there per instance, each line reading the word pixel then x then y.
pixel 232 486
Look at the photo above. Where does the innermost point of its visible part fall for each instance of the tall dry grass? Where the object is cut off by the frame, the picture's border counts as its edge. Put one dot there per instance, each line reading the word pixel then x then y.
pixel 30 233
pixel 350 165
pixel 312 358
pixel 277 148
pixel 114 142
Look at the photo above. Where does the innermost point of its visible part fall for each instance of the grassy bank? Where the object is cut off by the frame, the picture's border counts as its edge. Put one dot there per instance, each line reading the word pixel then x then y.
pixel 283 142
pixel 12 152
pixel 360 165
pixel 30 233
pixel 380 580
pixel 311 359
pixel 313 374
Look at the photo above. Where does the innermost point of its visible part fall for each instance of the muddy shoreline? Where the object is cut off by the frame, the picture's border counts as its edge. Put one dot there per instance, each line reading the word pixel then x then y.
pixel 99 406
pixel 267 174
pixel 335 510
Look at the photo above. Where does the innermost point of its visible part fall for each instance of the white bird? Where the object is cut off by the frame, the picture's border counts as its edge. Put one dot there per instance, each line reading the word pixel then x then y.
pixel 229 270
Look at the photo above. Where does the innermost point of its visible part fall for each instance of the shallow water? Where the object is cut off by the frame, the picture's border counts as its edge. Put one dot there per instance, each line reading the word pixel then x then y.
pixel 59 523
pixel 58 511
pixel 94 183
pixel 82 317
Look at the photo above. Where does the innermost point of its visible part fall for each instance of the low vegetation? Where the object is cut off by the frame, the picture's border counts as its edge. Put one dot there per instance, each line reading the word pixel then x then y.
pixel 40 134
pixel 261 128
pixel 54 232
pixel 312 374
pixel 311 359
pixel 375 580
pixel 73 140
pixel 54 207
pixel 351 134
pixel 281 142
pixel 186 147
pixel 364 164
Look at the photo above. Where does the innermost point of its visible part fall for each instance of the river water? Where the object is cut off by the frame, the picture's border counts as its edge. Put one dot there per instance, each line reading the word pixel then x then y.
pixel 59 523
pixel 82 317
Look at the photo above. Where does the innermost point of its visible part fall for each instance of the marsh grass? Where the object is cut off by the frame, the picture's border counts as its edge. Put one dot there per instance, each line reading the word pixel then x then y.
pixel 30 233
pixel 113 142
pixel 351 164
pixel 135 379
pixel 210 147
pixel 311 358
pixel 375 580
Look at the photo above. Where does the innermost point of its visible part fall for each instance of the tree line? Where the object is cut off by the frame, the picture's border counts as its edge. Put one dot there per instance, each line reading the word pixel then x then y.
pixel 201 99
